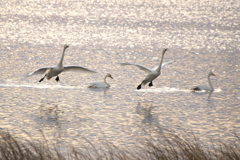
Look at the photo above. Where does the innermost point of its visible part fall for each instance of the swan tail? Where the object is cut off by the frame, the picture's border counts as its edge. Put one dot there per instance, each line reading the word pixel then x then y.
pixel 144 83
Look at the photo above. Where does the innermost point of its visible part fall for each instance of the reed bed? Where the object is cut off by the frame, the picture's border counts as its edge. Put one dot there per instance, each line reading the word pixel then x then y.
pixel 166 146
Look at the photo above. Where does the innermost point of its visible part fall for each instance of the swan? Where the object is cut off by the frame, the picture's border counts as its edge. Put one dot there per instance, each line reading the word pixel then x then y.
pixel 100 84
pixel 145 69
pixel 205 87
pixel 153 74
pixel 59 68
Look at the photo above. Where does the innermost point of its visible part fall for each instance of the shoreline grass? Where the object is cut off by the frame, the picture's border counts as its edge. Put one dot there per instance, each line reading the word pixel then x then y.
pixel 167 146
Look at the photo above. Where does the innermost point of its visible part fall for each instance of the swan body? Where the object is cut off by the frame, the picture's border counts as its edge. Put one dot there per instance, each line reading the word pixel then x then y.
pixel 153 74
pixel 59 68
pixel 103 84
pixel 146 70
pixel 205 87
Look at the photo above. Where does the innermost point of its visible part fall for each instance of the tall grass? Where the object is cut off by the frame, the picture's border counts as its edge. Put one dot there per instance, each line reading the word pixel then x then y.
pixel 164 146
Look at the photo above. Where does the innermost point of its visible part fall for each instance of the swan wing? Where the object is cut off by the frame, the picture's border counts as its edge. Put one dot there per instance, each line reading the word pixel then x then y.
pixel 201 87
pixel 163 65
pixel 40 71
pixel 97 85
pixel 167 63
pixel 146 70
pixel 77 69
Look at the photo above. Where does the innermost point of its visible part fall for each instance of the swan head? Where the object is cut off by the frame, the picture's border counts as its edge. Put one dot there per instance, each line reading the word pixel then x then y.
pixel 109 75
pixel 211 74
pixel 66 46
pixel 164 50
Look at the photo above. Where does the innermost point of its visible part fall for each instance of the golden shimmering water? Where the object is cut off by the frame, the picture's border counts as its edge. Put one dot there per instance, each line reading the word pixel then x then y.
pixel 200 36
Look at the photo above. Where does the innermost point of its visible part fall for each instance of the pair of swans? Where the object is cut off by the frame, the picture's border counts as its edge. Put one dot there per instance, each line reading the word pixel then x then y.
pixel 151 74
pixel 59 68
pixel 156 71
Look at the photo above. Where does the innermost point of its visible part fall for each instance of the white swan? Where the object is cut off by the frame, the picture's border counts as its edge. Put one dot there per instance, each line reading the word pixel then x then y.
pixel 205 87
pixel 55 71
pixel 100 84
pixel 145 69
pixel 153 74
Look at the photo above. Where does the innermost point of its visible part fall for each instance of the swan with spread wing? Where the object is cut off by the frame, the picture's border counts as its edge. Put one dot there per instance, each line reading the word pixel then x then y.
pixel 151 73
pixel 145 69
pixel 59 68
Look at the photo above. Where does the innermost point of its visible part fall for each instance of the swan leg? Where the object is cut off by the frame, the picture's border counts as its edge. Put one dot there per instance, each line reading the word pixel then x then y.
pixel 140 86
pixel 150 84
pixel 57 79
pixel 42 78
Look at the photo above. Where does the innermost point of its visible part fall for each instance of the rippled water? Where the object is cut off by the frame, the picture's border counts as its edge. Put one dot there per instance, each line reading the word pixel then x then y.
pixel 200 36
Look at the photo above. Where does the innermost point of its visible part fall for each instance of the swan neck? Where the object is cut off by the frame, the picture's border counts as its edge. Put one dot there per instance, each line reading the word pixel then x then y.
pixel 160 64
pixel 61 60
pixel 105 81
pixel 209 82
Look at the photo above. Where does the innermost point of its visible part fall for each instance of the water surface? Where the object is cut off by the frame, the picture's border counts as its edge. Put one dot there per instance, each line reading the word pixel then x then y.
pixel 200 36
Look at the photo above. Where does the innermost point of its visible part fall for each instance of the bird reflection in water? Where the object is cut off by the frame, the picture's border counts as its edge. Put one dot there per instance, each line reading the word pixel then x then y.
pixel 49 112
pixel 204 93
pixel 144 111
pixel 50 123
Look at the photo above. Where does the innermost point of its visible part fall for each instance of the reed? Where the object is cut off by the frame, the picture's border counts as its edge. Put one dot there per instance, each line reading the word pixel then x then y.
pixel 164 146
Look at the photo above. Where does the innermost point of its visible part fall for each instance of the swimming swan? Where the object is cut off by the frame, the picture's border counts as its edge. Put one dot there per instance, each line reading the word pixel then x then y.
pixel 59 68
pixel 146 70
pixel 205 87
pixel 153 74
pixel 100 84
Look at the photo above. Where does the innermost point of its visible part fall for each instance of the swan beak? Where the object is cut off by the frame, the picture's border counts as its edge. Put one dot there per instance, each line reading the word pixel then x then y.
pixel 66 46
pixel 111 77
pixel 213 74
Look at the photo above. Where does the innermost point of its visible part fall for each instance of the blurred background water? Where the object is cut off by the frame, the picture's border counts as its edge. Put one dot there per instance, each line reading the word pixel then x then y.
pixel 200 36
